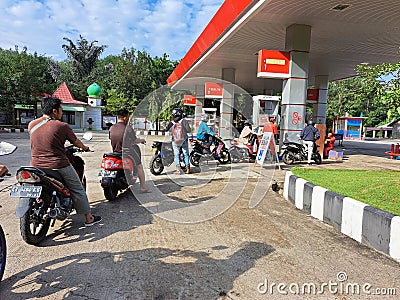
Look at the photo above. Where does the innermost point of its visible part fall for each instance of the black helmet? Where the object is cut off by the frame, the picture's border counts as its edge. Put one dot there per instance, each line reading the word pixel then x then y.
pixel 177 112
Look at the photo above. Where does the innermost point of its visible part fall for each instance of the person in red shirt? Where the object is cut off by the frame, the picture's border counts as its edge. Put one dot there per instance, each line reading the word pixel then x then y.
pixel 329 144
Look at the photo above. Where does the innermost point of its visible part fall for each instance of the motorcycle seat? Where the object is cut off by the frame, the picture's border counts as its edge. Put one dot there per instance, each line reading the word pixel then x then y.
pixel 113 154
pixel 52 173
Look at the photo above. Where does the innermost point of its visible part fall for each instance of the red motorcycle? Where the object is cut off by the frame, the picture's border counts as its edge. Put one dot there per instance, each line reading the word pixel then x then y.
pixel 117 173
pixel 244 151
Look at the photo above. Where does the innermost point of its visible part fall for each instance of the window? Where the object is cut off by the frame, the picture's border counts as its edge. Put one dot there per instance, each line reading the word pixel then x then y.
pixel 68 117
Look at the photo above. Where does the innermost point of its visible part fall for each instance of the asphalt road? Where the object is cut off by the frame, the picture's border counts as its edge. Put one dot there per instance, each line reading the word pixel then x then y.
pixel 194 237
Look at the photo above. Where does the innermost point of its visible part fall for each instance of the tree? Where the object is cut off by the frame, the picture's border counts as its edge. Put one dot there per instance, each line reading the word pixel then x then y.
pixel 354 96
pixel 385 78
pixel 23 79
pixel 83 57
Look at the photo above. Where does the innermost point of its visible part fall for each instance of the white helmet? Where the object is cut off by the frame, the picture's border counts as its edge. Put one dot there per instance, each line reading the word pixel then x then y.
pixel 204 117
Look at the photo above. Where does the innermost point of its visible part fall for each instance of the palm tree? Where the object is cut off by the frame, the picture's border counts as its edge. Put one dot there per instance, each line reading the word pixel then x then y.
pixel 83 56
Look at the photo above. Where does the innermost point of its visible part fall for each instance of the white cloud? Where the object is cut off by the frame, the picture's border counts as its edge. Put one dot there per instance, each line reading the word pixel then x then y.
pixel 157 26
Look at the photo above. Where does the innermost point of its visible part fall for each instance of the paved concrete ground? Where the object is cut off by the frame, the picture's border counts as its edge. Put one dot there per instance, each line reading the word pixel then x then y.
pixel 142 250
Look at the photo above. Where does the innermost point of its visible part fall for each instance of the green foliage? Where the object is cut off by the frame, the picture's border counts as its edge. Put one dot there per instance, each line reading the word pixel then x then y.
pixel 23 78
pixel 385 78
pixel 355 96
pixel 83 56
pixel 378 188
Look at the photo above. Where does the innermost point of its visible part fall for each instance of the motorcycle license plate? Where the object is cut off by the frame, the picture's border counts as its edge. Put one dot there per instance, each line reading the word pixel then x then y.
pixel 25 191
pixel 107 173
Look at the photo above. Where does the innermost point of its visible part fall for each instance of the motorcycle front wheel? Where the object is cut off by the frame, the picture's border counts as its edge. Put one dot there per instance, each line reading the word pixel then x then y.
pixel 33 228
pixel 224 157
pixel 288 158
pixel 195 159
pixel 3 252
pixel 156 165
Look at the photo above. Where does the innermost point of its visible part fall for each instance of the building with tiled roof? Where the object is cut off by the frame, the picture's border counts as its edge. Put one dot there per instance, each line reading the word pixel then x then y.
pixel 79 115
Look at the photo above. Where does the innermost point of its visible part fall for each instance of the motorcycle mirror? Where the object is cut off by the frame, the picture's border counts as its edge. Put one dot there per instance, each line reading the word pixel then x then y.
pixel 87 136
pixel 7 148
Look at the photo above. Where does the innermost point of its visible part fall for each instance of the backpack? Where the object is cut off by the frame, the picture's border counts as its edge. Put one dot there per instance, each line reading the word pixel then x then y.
pixel 177 132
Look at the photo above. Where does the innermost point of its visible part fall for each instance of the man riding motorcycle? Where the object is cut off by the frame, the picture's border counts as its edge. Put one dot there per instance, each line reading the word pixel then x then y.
pixel 204 130
pixel 309 135
pixel 48 136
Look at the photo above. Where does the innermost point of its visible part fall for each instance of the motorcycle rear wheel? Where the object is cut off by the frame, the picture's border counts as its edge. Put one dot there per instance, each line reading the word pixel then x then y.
pixel 110 192
pixel 195 160
pixel 287 158
pixel 33 232
pixel 224 157
pixel 3 252
pixel 156 165
pixel 317 158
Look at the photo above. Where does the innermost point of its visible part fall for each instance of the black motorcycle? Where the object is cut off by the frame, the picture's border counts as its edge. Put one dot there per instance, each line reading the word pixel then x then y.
pixel 163 156
pixel 292 152
pixel 216 149
pixel 44 197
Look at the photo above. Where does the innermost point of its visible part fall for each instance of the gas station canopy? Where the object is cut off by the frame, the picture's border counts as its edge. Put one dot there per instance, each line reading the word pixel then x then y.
pixel 343 35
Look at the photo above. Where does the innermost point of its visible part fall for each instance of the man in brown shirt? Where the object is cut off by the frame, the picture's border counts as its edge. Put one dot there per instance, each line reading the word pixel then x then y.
pixel 48 136
pixel 124 140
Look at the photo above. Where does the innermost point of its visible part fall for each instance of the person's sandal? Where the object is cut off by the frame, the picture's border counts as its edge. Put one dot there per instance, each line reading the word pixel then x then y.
pixel 96 219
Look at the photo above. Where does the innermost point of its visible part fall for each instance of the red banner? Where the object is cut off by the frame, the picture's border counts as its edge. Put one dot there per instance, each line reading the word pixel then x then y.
pixel 273 64
pixel 312 95
pixel 189 100
pixel 213 90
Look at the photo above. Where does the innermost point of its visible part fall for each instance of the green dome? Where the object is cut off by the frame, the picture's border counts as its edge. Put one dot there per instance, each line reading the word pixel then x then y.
pixel 94 90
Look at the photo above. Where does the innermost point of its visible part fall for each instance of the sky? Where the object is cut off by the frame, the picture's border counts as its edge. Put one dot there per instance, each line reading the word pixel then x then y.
pixel 156 26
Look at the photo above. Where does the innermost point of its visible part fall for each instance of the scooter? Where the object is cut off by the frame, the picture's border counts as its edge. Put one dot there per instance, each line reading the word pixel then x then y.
pixel 163 156
pixel 292 152
pixel 116 173
pixel 245 151
pixel 44 197
pixel 202 151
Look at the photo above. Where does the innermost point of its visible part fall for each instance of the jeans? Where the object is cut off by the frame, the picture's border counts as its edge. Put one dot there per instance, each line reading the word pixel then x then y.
pixel 185 150
pixel 78 194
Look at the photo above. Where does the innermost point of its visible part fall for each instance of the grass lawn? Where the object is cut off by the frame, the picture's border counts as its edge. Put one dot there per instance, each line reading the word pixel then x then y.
pixel 380 189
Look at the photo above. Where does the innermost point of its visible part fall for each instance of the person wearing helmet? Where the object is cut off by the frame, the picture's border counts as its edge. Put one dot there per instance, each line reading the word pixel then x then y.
pixel 179 128
pixel 309 135
pixel 204 131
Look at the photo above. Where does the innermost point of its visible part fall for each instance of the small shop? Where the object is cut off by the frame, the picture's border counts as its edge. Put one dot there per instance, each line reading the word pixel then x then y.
pixel 349 127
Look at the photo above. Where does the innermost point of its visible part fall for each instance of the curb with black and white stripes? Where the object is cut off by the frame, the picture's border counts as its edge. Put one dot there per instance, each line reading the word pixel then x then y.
pixel 373 227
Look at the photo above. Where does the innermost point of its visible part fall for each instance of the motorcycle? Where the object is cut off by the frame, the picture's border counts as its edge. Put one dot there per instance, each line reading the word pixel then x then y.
pixel 292 152
pixel 245 151
pixel 163 156
pixel 5 149
pixel 116 173
pixel 44 197
pixel 202 151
